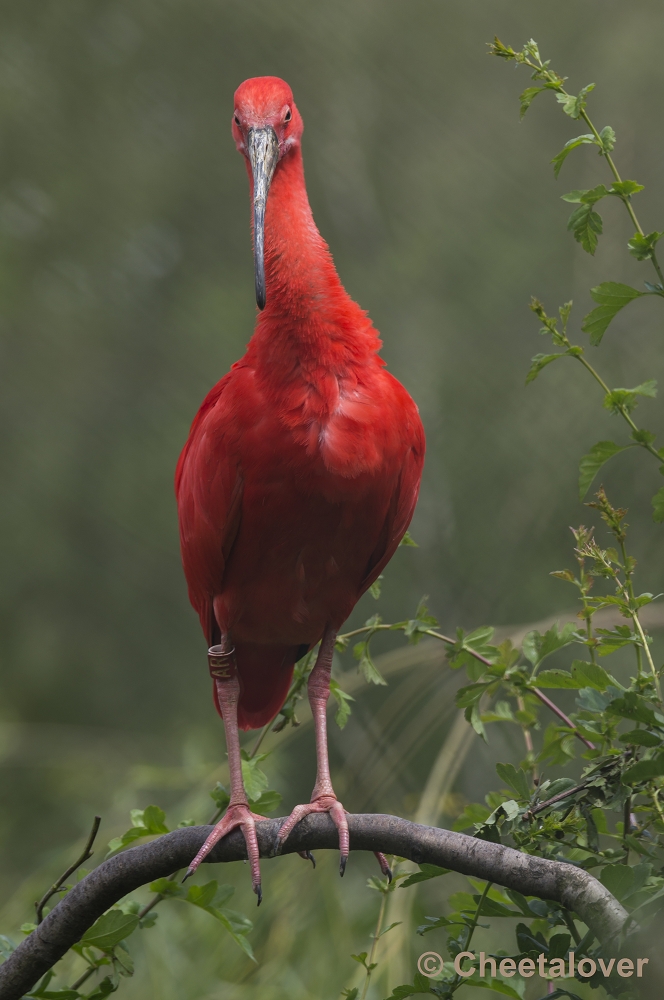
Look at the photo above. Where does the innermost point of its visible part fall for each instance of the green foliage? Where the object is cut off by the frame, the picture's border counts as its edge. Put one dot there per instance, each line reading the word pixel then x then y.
pixel 612 296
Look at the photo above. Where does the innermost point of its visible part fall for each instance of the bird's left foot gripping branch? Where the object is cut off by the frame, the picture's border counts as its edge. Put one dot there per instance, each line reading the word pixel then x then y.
pixel 300 474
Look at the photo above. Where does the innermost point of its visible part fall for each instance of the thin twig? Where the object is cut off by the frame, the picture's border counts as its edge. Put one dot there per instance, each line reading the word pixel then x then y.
pixel 554 799
pixel 561 715
pixel 87 853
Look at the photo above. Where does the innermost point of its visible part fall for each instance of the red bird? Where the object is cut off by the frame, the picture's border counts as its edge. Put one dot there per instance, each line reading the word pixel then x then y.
pixel 301 471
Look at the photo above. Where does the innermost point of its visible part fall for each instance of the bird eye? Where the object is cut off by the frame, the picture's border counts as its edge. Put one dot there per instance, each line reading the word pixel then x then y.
pixel 236 120
pixel 288 115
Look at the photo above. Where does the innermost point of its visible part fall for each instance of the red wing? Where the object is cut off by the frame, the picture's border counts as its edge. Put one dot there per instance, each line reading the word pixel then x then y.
pixel 208 487
pixel 400 510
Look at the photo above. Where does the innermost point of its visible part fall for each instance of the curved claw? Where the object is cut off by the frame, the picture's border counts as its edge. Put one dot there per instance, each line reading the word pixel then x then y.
pixel 384 866
pixel 307 856
pixel 236 815
pixel 324 803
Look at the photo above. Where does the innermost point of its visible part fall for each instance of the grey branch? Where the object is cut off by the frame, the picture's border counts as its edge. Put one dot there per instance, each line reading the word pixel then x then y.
pixel 67 922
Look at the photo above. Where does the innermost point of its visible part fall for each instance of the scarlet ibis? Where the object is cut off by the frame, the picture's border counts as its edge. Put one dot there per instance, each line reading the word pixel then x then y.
pixel 300 474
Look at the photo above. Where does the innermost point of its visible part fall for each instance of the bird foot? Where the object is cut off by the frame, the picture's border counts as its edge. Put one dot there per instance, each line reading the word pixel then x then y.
pixel 236 815
pixel 322 803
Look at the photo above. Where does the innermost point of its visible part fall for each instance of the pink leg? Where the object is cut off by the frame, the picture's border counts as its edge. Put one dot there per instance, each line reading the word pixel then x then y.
pixel 221 661
pixel 323 798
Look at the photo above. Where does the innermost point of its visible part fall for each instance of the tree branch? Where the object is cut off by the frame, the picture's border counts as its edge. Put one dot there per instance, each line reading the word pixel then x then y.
pixel 113 879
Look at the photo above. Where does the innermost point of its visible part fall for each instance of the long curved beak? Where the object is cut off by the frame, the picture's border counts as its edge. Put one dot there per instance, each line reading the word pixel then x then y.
pixel 263 149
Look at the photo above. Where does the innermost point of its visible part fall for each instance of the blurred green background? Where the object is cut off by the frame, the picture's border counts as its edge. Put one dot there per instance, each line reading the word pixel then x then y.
pixel 126 291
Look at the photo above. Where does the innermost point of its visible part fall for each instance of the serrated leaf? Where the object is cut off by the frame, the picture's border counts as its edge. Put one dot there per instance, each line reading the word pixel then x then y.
pixel 624 189
pixel 591 675
pixel 580 140
pixel 220 796
pixel 368 668
pixel 342 699
pixel 591 463
pixel 658 506
pixel 536 647
pixel 608 137
pixel 540 361
pixel 254 780
pixel 619 400
pixel 612 296
pixel 587 196
pixel 109 930
pixel 557 679
pixel 642 246
pixel 527 98
pixel 375 587
pixel 574 105
pixel 516 779
pixel 586 225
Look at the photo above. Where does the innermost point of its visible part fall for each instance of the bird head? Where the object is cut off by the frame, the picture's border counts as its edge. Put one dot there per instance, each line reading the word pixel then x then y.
pixel 266 126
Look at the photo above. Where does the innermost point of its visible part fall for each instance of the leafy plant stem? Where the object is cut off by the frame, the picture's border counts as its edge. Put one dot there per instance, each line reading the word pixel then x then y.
pixel 646 648
pixel 87 853
pixel 374 943
pixel 459 981
pixel 561 715
pixel 86 975
pixel 627 825
pixel 556 85
pixel 630 589
pixel 571 926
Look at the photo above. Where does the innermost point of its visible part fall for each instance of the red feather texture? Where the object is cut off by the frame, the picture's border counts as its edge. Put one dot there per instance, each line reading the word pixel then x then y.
pixel 302 467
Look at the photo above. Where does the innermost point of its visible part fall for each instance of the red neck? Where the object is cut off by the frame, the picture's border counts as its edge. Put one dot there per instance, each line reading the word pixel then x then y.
pixel 309 320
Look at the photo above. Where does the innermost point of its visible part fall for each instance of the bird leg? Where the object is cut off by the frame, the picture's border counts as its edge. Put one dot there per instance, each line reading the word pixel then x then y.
pixel 223 670
pixel 323 797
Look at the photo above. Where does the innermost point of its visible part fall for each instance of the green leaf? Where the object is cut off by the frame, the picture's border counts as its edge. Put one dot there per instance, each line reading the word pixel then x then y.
pixel 104 989
pixel 556 679
pixel 536 647
pixel 472 814
pixel 266 803
pixel 625 188
pixel 592 675
pixel 592 462
pixel 424 874
pixel 658 506
pixel 611 296
pixel 608 137
pixel 527 98
pixel 168 887
pixel 644 770
pixel 587 196
pixel 220 796
pixel 618 879
pixel 586 225
pixel 631 706
pixel 497 985
pixel 408 540
pixel 342 699
pixel 375 587
pixel 540 361
pixel 573 106
pixel 560 158
pixel 350 994
pixel 618 400
pixel 254 780
pixel 367 667
pixel 154 820
pixel 641 738
pixel 516 779
pixel 109 930
pixel 421 623
pixel 643 247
